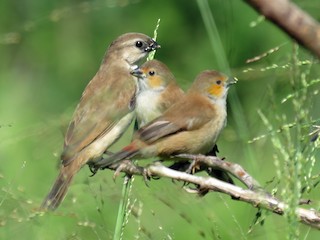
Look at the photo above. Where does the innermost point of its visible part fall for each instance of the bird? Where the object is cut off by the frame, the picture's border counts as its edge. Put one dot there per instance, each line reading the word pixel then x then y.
pixel 105 110
pixel 192 125
pixel 157 91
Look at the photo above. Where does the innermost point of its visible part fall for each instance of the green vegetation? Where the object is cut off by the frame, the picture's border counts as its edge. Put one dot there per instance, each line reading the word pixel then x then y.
pixel 51 49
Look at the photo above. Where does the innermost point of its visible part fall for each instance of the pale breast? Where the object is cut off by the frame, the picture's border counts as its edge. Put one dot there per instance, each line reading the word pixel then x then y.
pixel 147 107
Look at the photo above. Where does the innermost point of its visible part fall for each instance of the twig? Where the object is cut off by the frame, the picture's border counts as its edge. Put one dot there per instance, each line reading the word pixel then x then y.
pixel 258 199
pixel 294 21
pixel 235 169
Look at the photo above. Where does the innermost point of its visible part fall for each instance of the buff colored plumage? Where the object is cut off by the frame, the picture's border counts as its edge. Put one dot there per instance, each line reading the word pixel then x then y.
pixel 192 125
pixel 158 91
pixel 104 112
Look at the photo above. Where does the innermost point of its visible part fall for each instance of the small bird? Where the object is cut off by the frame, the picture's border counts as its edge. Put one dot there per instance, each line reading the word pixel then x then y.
pixel 105 111
pixel 158 90
pixel 192 125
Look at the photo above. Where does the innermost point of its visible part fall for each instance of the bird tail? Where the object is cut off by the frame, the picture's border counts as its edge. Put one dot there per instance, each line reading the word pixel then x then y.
pixel 58 190
pixel 126 153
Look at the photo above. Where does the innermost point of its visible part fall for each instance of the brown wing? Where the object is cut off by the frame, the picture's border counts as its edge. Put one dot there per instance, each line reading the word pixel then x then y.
pixel 190 113
pixel 172 95
pixel 101 106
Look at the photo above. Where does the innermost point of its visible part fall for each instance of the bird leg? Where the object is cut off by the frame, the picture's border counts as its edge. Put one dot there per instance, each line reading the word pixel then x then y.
pixel 124 166
pixel 194 166
pixel 92 169
pixel 129 168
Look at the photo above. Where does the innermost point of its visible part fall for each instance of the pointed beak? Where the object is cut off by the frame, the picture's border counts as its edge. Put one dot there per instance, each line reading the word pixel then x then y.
pixel 231 81
pixel 137 73
pixel 153 46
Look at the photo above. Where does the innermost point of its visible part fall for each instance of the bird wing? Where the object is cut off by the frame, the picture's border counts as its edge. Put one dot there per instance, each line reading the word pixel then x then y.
pixel 101 106
pixel 190 113
pixel 170 96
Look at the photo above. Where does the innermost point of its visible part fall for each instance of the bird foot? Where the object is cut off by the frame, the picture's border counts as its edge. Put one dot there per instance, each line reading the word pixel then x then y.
pixel 194 166
pixel 120 167
pixel 93 168
pixel 130 168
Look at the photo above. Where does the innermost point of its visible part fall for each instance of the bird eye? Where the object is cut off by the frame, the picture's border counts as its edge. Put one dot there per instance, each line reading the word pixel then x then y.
pixel 151 73
pixel 218 82
pixel 139 44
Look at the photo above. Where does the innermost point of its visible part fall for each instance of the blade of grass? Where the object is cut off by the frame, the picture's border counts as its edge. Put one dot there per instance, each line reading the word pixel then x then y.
pixel 223 65
pixel 127 184
pixel 123 206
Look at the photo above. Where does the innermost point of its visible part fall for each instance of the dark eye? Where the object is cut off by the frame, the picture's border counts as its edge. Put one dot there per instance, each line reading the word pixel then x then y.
pixel 139 44
pixel 151 73
pixel 218 82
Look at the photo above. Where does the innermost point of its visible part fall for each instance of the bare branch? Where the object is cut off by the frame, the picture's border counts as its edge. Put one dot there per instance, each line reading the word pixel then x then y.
pixel 235 169
pixel 254 195
pixel 290 18
pixel 256 199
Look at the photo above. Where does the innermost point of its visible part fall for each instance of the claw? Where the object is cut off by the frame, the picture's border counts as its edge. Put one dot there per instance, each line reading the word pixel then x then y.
pixel 92 169
pixel 146 177
pixel 121 166
pixel 194 166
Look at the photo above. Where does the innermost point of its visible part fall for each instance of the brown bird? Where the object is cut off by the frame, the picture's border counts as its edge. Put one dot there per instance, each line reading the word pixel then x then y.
pixel 158 90
pixel 192 125
pixel 105 110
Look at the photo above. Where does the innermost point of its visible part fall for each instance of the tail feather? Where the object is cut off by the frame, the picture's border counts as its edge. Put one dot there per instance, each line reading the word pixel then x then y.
pixel 58 190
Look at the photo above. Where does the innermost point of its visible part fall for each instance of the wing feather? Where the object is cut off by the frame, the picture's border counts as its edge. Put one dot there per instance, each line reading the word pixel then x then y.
pixel 185 115
pixel 101 106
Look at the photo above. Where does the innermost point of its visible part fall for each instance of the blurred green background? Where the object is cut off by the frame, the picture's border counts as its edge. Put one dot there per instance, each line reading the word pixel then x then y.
pixel 49 50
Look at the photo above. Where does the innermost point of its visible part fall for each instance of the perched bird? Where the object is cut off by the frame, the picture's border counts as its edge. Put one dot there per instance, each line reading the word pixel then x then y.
pixel 104 112
pixel 192 125
pixel 158 90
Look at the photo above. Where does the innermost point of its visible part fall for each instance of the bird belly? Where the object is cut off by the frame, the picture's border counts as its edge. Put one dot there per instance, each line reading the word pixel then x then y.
pixel 105 141
pixel 147 107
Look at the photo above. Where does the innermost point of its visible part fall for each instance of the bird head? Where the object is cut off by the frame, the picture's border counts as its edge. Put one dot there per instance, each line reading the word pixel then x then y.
pixel 213 84
pixel 133 47
pixel 153 75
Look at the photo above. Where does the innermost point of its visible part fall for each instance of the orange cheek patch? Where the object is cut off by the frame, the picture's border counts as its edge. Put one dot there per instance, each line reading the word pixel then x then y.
pixel 155 81
pixel 215 90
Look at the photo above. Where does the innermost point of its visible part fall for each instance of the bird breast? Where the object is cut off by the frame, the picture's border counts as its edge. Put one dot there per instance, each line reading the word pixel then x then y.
pixel 147 106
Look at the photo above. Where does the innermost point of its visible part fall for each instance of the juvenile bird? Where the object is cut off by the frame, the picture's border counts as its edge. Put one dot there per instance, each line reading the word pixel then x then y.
pixel 104 112
pixel 192 125
pixel 158 90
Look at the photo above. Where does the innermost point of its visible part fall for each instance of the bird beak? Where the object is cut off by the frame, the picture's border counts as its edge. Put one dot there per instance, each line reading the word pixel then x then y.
pixel 137 73
pixel 153 46
pixel 231 81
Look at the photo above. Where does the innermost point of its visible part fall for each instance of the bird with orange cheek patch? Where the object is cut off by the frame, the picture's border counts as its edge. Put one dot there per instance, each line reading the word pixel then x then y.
pixel 157 91
pixel 192 125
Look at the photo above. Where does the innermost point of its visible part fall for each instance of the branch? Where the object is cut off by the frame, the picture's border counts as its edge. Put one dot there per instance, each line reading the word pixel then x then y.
pixel 257 198
pixel 309 217
pixel 294 21
pixel 235 169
